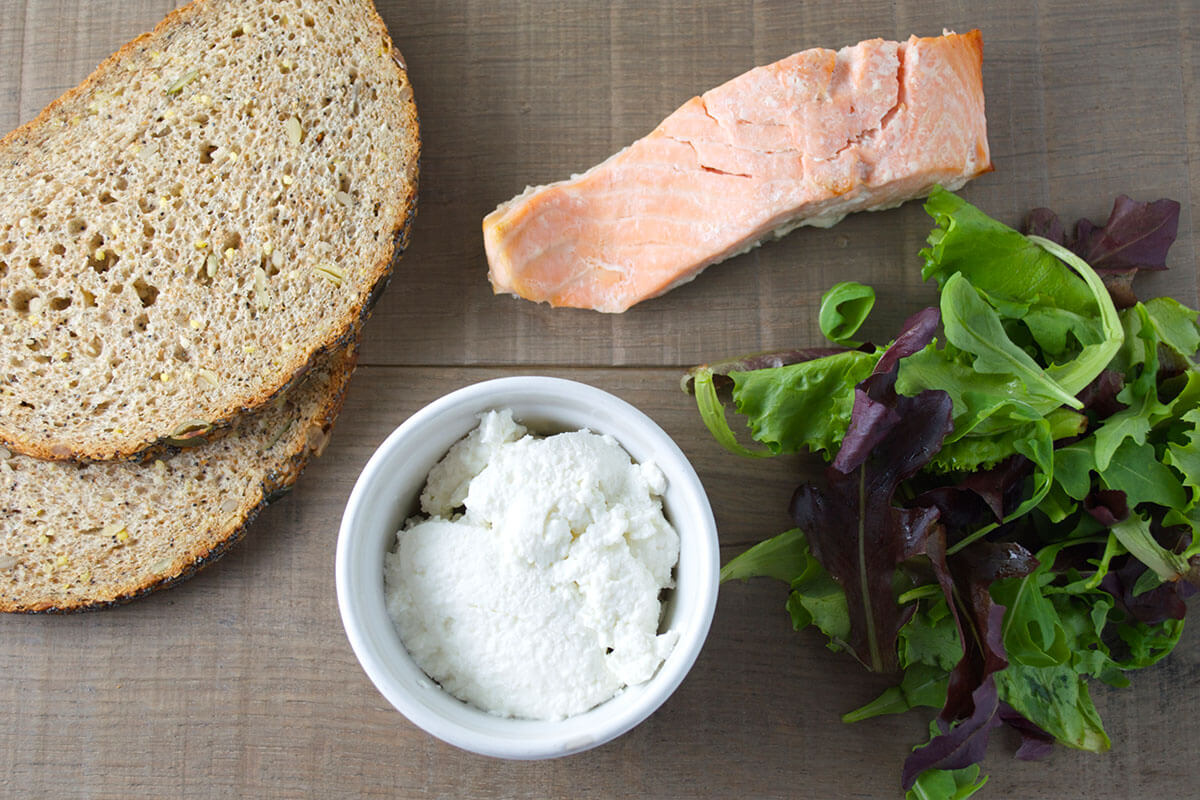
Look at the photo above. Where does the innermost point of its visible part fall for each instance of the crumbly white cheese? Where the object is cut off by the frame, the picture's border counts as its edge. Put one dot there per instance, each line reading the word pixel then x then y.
pixel 532 587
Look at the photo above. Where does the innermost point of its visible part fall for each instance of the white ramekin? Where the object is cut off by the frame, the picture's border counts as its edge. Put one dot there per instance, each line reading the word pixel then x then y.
pixel 386 494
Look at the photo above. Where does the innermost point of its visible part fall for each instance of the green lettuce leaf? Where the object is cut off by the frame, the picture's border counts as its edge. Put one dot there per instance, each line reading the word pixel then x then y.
pixel 844 308
pixel 921 685
pixel 790 409
pixel 815 597
pixel 930 637
pixel 1135 536
pixel 1007 266
pixel 803 406
pixel 946 784
pixel 1056 699
pixel 1032 632
pixel 1176 326
pixel 1136 470
pixel 1184 455
pixel 1148 644
pixel 783 557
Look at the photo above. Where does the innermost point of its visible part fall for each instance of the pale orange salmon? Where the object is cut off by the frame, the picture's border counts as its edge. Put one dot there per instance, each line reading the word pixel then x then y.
pixel 803 141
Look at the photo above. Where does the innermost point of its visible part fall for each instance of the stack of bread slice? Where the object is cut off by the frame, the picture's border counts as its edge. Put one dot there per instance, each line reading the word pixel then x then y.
pixel 190 243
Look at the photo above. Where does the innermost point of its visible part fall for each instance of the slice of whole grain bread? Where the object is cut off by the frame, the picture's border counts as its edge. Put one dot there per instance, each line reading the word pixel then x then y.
pixel 82 536
pixel 181 235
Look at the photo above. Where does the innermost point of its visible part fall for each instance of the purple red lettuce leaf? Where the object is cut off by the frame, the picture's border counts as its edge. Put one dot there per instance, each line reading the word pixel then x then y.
pixel 875 413
pixel 1107 506
pixel 1036 744
pixel 1166 601
pixel 1136 237
pixel 854 528
pixel 1045 223
pixel 979 498
pixel 972 704
pixel 973 571
pixel 959 746
pixel 1100 396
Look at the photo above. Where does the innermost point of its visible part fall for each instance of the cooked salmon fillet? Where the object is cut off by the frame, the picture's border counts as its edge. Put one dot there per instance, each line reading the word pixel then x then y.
pixel 803 141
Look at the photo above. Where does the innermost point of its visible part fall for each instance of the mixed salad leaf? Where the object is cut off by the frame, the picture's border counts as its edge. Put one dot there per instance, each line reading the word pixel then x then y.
pixel 1011 502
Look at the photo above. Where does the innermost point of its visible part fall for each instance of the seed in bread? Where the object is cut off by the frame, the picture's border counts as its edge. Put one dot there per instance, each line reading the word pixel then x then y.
pixel 217 204
pixel 74 537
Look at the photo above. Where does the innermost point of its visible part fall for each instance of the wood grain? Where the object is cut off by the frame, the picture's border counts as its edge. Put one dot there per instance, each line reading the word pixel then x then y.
pixel 240 683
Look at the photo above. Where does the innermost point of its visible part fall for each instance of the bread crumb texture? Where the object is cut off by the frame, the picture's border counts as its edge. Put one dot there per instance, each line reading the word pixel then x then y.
pixel 185 231
pixel 74 537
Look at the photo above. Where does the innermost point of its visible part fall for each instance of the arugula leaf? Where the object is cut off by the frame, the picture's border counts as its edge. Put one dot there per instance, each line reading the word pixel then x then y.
pixel 1136 471
pixel 1184 456
pixel 1046 624
pixel 1149 644
pixel 974 327
pixel 1085 615
pixel 1140 396
pixel 844 308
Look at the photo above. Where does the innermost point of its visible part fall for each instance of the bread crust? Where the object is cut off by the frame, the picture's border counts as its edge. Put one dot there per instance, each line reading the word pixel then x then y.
pixel 348 331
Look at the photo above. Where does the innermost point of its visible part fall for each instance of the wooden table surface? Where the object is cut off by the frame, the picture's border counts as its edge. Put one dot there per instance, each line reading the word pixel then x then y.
pixel 240 682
